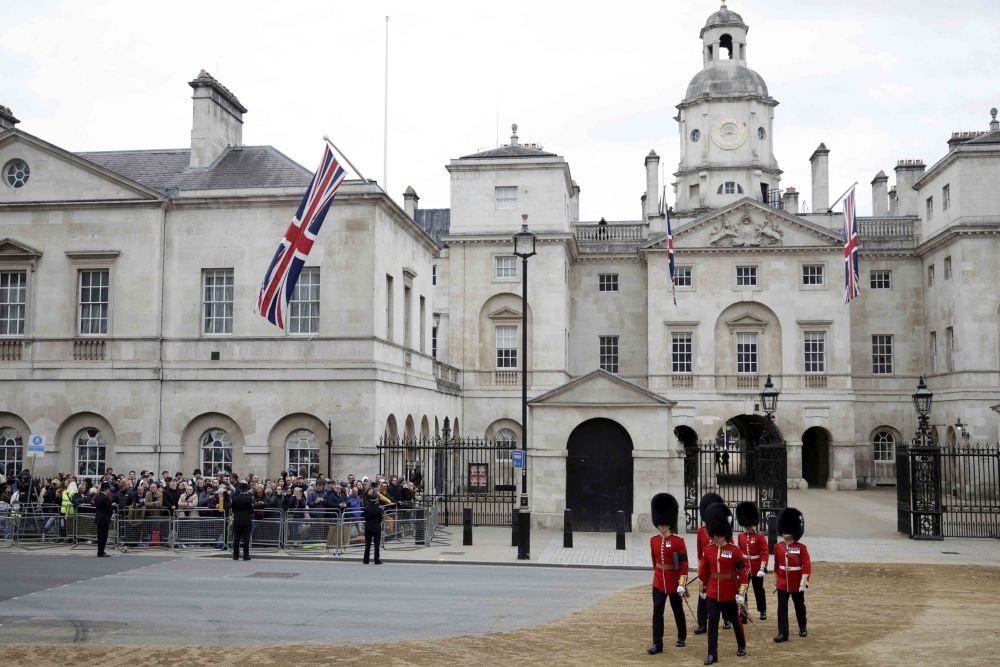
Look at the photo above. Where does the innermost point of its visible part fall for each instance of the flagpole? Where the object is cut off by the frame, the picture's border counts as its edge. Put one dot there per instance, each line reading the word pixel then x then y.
pixel 837 200
pixel 385 116
pixel 326 138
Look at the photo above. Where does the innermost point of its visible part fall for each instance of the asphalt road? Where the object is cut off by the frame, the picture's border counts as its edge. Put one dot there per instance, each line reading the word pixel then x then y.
pixel 140 600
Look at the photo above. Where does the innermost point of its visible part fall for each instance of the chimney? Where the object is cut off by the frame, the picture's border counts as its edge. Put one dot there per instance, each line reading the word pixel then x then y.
pixel 652 185
pixel 574 203
pixel 893 204
pixel 821 179
pixel 961 137
pixel 994 123
pixel 410 200
pixel 790 200
pixel 907 173
pixel 218 120
pixel 7 120
pixel 880 194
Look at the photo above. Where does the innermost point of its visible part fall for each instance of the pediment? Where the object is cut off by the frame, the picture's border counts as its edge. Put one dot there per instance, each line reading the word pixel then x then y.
pixel 746 321
pixel 600 388
pixel 11 248
pixel 749 224
pixel 505 313
pixel 58 175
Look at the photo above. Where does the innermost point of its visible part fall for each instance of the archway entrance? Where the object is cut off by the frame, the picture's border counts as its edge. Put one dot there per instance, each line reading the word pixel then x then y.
pixel 599 475
pixel 816 457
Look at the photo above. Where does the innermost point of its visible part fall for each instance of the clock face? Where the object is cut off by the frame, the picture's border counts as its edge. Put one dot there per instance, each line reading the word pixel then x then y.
pixel 729 133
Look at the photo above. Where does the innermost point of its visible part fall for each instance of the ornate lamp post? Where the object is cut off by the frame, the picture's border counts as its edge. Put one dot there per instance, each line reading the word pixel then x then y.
pixel 769 401
pixel 962 430
pixel 924 472
pixel 772 462
pixel 524 247
pixel 922 399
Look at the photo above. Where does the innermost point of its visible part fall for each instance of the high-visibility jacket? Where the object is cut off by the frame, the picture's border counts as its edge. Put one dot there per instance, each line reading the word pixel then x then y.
pixel 67 503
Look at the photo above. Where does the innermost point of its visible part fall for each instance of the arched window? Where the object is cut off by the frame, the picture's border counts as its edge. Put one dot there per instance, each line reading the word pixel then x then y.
pixel 216 452
pixel 302 453
pixel 730 188
pixel 11 452
pixel 91 453
pixel 884 445
pixel 505 435
pixel 726 45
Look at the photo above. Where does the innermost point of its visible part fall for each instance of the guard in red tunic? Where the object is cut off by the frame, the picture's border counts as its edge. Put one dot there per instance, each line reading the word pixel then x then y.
pixel 703 541
pixel 754 548
pixel 792 569
pixel 670 569
pixel 725 569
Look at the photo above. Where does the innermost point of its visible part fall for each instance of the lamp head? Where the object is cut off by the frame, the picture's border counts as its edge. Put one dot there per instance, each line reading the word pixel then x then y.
pixel 524 240
pixel 922 397
pixel 769 396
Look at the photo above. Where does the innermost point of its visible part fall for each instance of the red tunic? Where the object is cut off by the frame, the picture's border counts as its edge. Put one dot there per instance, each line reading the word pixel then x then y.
pixel 703 541
pixel 725 570
pixel 754 547
pixel 663 552
pixel 791 561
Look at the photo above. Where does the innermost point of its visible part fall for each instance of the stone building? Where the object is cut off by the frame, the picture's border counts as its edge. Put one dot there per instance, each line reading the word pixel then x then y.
pixel 128 278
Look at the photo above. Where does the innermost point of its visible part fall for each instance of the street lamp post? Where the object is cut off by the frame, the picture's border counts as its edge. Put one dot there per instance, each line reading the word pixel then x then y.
pixel 923 468
pixel 771 460
pixel 922 399
pixel 524 247
pixel 769 401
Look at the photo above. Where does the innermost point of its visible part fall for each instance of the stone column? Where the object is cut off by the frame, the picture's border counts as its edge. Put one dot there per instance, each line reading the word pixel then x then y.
pixel 794 463
pixel 843 476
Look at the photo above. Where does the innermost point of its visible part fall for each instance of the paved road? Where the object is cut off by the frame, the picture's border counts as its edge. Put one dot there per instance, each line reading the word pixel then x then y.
pixel 140 600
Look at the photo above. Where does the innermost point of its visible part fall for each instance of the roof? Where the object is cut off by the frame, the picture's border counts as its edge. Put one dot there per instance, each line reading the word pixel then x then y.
pixel 725 80
pixel 435 221
pixel 514 150
pixel 988 138
pixel 723 17
pixel 246 167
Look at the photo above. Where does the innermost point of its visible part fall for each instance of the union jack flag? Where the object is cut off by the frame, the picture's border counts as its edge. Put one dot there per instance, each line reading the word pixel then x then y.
pixel 670 255
pixel 283 271
pixel 852 277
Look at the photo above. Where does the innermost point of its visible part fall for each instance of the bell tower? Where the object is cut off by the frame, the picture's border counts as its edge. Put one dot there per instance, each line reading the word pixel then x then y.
pixel 725 122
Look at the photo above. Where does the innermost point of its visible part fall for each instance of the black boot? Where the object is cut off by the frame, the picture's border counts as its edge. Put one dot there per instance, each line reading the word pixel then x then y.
pixel 654 649
pixel 763 615
pixel 741 651
pixel 700 630
pixel 803 632
pixel 780 638
pixel 727 625
pixel 679 643
pixel 711 659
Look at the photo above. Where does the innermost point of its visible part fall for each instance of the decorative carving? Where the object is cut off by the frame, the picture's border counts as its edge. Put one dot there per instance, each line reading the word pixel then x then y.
pixel 749 234
pixel 723 234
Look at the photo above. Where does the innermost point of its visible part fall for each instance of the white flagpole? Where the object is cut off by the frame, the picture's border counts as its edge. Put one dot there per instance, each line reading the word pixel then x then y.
pixel 326 138
pixel 385 117
pixel 837 200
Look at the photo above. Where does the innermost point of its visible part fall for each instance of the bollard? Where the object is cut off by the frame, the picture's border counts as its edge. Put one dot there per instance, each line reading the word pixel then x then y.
pixel 568 529
pixel 772 532
pixel 620 530
pixel 467 526
pixel 514 526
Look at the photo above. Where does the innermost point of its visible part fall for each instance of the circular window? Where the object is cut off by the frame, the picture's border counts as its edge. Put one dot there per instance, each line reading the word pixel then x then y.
pixel 761 133
pixel 695 135
pixel 16 173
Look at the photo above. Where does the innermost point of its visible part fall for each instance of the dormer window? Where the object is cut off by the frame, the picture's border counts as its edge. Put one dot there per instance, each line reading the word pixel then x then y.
pixel 730 188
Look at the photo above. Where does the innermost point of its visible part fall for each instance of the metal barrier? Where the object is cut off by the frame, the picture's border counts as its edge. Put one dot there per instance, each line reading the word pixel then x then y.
pixel 142 528
pixel 41 526
pixel 312 529
pixel 405 528
pixel 352 532
pixel 266 533
pixel 8 526
pixel 199 529
pixel 84 523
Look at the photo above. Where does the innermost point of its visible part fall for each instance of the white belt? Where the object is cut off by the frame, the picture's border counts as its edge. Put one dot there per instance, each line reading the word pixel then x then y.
pixel 790 569
pixel 754 557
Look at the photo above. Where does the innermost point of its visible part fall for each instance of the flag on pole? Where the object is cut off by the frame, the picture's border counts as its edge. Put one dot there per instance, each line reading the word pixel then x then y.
pixel 283 271
pixel 670 255
pixel 852 277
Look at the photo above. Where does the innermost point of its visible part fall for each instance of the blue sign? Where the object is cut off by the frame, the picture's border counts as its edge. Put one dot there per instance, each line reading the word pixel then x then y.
pixel 36 445
pixel 517 458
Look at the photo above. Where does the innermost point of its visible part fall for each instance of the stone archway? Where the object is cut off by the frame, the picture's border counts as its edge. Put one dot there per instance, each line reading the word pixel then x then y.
pixel 816 457
pixel 599 474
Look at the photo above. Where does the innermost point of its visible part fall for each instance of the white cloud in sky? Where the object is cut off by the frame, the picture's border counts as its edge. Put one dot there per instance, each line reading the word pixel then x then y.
pixel 596 83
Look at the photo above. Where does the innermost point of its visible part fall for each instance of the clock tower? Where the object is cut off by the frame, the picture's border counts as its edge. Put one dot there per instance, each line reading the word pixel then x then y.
pixel 725 123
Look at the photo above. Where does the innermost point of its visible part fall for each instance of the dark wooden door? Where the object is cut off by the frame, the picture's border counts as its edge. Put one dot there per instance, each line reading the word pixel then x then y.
pixel 599 475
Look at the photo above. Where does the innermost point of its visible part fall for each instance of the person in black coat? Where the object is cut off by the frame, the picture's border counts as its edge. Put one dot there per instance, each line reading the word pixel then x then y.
pixel 242 508
pixel 373 524
pixel 104 508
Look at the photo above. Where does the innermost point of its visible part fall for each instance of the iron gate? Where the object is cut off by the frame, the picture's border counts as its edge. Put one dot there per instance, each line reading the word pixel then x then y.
pixel 755 472
pixel 457 473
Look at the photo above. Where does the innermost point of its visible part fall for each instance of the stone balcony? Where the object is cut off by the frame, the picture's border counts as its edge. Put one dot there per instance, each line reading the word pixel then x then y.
pixel 612 237
pixel 896 233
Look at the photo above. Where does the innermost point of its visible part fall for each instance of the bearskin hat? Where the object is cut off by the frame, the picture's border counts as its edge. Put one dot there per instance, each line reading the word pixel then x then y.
pixel 663 509
pixel 706 500
pixel 791 522
pixel 719 521
pixel 747 514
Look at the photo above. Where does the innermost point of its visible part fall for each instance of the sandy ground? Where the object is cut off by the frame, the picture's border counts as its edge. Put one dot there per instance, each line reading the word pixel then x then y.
pixel 858 615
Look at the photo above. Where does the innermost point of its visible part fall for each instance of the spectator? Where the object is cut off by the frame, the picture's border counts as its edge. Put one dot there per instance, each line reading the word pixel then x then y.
pixel 373 525
pixel 393 489
pixel 154 499
pixel 171 494
pixel 187 503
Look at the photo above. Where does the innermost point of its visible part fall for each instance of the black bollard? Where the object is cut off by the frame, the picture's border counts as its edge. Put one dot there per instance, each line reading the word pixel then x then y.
pixel 772 532
pixel 467 527
pixel 515 524
pixel 567 529
pixel 620 530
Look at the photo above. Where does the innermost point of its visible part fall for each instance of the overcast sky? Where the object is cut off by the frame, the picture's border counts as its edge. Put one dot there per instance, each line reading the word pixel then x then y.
pixel 594 82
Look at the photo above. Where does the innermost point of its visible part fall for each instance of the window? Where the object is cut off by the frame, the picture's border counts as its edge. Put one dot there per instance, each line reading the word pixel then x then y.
pixel 882 354
pixel 812 274
pixel 746 276
pixel 302 453
pixel 930 276
pixel 681 352
pixel 11 452
pixel 949 348
pixel 693 193
pixel 506 435
pixel 423 324
pixel 13 297
pixel 303 308
pixel 814 345
pixel 684 276
pixel 94 287
pixel 388 308
pixel 730 188
pixel 504 267
pixel 947 268
pixel 434 275
pixel 930 207
pixel 607 282
pixel 16 173
pixel 434 342
pixel 407 316
pixel 695 135
pixel 506 347
pixel 506 197
pixel 217 288
pixel 609 353
pixel 933 351
pixel 880 279
pixel 91 452
pixel 761 132
pixel 946 197
pixel 746 353
pixel 216 452
pixel 884 447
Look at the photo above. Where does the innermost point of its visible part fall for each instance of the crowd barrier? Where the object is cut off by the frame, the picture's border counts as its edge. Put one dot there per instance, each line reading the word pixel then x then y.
pixel 329 531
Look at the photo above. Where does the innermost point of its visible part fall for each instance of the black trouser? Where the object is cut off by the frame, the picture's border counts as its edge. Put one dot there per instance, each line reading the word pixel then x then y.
pixel 659 603
pixel 799 600
pixel 731 613
pixel 758 593
pixel 372 535
pixel 241 535
pixel 102 537
pixel 702 612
